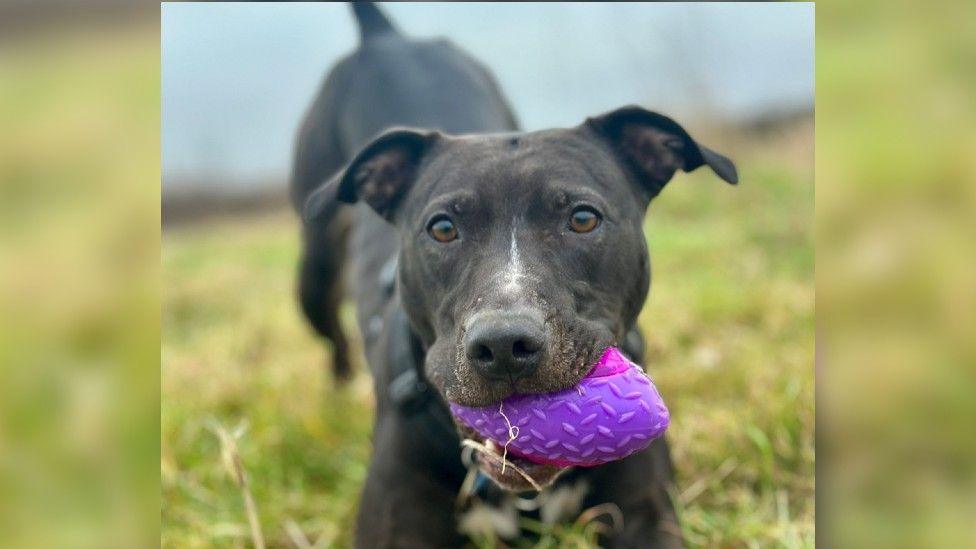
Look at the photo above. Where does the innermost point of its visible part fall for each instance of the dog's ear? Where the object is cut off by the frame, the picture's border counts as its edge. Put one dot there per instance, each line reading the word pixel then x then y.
pixel 380 175
pixel 653 147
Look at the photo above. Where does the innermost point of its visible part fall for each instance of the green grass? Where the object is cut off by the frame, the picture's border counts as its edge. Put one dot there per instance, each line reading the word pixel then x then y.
pixel 729 325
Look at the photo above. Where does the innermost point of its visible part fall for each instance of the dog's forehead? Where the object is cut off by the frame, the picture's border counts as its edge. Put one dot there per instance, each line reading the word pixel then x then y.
pixel 505 166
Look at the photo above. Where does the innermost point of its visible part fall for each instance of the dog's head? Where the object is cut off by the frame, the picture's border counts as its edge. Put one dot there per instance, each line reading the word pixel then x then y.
pixel 523 256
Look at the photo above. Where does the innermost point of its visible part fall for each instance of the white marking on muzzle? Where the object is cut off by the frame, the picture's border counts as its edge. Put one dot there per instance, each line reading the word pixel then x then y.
pixel 513 273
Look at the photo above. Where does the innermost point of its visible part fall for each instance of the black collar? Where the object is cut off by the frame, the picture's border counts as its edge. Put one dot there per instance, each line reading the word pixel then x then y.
pixel 409 390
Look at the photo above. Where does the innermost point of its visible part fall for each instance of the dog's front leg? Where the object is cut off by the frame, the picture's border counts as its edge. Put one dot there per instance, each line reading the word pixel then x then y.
pixel 408 500
pixel 639 487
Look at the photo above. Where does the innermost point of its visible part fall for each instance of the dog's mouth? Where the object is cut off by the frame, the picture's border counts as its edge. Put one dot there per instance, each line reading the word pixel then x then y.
pixel 507 470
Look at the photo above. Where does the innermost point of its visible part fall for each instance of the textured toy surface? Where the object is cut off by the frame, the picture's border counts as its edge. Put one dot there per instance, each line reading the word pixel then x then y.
pixel 613 412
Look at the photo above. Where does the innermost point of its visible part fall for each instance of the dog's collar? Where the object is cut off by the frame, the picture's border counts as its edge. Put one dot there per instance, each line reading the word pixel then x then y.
pixel 409 393
pixel 409 390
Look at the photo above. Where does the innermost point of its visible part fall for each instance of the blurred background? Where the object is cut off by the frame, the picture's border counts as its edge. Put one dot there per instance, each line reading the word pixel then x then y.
pixel 238 78
pixel 81 287
pixel 79 273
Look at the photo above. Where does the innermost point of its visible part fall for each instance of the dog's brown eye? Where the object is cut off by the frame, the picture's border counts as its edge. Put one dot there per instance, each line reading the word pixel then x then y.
pixel 584 220
pixel 442 229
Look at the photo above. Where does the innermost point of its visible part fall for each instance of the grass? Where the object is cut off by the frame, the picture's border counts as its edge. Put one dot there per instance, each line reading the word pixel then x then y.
pixel 730 335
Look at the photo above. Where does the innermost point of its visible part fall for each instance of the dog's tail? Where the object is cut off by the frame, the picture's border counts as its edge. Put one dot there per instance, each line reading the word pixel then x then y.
pixel 372 21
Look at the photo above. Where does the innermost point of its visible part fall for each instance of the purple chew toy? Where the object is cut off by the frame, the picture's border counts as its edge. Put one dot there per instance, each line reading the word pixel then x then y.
pixel 613 412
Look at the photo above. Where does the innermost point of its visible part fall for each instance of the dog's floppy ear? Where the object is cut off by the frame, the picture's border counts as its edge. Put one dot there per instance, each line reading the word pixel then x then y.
pixel 380 174
pixel 653 147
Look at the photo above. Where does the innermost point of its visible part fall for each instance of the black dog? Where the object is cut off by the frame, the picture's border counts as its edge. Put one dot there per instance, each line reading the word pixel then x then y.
pixel 498 263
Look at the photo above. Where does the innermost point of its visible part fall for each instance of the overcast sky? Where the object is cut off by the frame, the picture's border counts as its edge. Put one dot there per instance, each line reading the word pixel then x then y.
pixel 237 77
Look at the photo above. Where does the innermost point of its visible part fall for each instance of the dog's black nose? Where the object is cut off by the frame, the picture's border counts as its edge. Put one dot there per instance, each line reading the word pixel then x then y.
pixel 505 345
